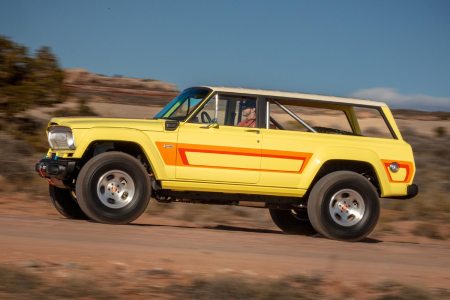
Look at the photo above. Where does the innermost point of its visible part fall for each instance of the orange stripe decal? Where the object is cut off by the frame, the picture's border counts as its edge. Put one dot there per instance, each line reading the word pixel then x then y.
pixel 168 152
pixel 177 155
pixel 303 156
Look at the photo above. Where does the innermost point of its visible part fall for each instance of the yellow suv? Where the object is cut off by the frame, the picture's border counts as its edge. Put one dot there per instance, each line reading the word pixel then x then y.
pixel 318 163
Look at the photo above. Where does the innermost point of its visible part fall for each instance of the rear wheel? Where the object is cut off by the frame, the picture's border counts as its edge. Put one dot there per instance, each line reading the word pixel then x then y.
pixel 113 187
pixel 293 221
pixel 65 203
pixel 344 206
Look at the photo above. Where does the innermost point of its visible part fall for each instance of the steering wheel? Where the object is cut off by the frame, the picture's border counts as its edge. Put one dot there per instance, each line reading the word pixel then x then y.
pixel 205 117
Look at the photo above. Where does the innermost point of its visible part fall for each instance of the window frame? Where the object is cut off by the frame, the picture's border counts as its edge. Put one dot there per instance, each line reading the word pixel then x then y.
pixel 171 107
pixel 263 109
pixel 217 95
pixel 344 107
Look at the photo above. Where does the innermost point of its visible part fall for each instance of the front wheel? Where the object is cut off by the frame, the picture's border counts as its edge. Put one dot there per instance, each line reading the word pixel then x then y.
pixel 114 188
pixel 65 203
pixel 344 206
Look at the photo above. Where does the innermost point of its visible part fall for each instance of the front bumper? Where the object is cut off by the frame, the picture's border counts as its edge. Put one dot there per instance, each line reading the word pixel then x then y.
pixel 411 191
pixel 59 172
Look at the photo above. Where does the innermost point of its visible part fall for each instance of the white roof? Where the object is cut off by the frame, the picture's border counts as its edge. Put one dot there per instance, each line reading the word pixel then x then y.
pixel 293 95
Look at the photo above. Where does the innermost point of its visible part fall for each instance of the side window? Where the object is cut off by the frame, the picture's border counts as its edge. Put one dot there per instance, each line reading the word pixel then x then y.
pixel 207 114
pixel 279 119
pixel 372 123
pixel 322 119
pixel 231 111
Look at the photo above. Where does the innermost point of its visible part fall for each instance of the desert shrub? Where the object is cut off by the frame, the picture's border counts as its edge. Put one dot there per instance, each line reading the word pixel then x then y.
pixel 76 288
pixel 429 230
pixel 233 287
pixel 440 131
pixel 397 291
pixel 385 227
pixel 64 112
pixel 27 124
pixel 17 161
pixel 16 281
pixel 29 134
pixel 12 153
pixel 83 109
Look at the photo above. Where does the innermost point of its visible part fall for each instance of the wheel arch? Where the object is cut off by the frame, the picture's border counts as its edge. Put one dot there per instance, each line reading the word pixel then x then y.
pixel 360 167
pixel 132 148
pixel 128 140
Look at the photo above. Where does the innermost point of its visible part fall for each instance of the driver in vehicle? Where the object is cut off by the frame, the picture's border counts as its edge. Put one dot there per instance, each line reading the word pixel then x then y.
pixel 248 114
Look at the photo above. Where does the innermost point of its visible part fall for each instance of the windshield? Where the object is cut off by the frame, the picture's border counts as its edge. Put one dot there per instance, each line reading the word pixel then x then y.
pixel 180 107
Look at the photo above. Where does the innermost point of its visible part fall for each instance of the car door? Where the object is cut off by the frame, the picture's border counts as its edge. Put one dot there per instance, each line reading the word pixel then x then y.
pixel 212 147
pixel 286 149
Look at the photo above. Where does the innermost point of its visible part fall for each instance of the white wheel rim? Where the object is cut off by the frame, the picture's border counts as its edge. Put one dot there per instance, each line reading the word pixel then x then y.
pixel 115 189
pixel 347 207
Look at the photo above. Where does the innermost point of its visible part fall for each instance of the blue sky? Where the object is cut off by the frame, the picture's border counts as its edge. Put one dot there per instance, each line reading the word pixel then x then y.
pixel 393 51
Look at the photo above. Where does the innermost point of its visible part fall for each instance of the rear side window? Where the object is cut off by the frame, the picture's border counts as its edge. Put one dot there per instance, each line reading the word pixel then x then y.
pixel 321 119
pixel 372 123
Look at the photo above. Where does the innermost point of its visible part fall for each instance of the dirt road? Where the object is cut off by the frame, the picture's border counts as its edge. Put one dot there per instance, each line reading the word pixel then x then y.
pixel 161 244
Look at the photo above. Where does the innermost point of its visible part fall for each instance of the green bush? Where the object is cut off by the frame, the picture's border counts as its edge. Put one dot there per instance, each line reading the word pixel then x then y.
pixel 27 81
pixel 440 131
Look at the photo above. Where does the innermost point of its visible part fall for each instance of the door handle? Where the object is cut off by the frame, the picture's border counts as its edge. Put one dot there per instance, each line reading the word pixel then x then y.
pixel 253 131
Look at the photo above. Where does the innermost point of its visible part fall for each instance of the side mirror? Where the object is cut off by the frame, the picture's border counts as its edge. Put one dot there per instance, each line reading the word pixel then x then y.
pixel 171 125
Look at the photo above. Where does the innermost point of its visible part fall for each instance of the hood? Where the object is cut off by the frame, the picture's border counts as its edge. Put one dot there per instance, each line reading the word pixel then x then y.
pixel 86 123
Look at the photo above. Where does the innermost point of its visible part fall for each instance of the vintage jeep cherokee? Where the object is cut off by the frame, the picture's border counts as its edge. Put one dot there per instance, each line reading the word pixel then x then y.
pixel 318 163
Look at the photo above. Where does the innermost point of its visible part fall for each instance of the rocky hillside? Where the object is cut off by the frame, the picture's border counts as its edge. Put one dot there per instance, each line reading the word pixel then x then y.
pixel 118 89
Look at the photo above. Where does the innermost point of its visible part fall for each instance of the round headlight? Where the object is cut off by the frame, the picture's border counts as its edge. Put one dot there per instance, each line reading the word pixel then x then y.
pixel 61 138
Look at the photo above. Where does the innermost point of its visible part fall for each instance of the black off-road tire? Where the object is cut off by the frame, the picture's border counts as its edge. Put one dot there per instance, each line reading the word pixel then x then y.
pixel 344 206
pixel 292 221
pixel 106 171
pixel 65 203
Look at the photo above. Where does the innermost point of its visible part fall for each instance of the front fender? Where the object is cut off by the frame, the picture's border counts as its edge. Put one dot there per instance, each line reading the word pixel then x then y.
pixel 84 138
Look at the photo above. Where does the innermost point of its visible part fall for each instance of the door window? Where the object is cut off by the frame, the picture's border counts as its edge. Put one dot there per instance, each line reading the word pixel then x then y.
pixel 231 111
